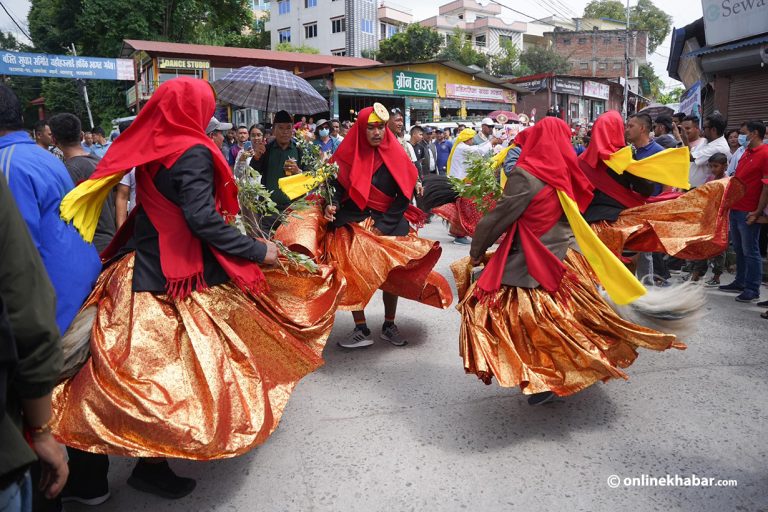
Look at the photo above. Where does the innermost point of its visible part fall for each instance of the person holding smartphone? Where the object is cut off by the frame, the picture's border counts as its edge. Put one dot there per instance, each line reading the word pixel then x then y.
pixel 255 139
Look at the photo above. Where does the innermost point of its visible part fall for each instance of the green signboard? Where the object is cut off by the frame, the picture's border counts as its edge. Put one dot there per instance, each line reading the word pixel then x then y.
pixel 407 83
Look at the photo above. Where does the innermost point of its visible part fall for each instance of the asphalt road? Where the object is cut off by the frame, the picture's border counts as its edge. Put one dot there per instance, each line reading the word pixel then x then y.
pixel 396 429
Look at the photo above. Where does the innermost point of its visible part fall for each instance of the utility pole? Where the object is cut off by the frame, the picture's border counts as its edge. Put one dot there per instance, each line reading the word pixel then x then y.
pixel 626 65
pixel 85 92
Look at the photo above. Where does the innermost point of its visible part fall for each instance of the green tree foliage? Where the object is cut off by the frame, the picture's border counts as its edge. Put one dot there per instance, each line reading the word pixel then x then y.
pixel 538 59
pixel 672 96
pixel 416 43
pixel 459 48
pixel 288 47
pixel 506 63
pixel 98 27
pixel 646 71
pixel 643 16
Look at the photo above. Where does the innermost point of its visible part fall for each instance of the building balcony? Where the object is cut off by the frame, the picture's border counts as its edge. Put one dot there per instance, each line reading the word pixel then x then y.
pixel 393 13
pixel 469 5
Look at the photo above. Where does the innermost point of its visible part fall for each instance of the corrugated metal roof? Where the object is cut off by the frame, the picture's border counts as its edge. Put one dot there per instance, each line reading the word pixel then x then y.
pixel 733 46
pixel 251 54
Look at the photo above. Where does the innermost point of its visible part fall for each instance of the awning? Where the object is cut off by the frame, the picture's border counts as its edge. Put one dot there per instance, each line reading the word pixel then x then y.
pixel 728 47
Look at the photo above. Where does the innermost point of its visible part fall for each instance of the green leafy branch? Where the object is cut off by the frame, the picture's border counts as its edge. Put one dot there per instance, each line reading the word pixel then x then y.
pixel 314 160
pixel 481 184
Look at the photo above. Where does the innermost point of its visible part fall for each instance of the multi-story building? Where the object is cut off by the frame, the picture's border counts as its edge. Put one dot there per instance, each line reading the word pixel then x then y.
pixel 335 27
pixel 260 8
pixel 480 22
pixel 600 53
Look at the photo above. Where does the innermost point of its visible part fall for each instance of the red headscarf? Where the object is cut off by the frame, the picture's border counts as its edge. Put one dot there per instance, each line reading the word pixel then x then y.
pixel 173 121
pixel 607 138
pixel 358 160
pixel 548 155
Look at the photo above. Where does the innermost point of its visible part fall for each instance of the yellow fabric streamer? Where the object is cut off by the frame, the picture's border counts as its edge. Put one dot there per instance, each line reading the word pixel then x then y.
pixel 618 281
pixel 299 184
pixel 463 136
pixel 668 167
pixel 82 206
pixel 498 161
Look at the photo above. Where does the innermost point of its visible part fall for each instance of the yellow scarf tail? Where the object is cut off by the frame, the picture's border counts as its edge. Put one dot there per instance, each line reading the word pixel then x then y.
pixel 299 184
pixel 618 281
pixel 463 136
pixel 82 206
pixel 669 167
pixel 498 161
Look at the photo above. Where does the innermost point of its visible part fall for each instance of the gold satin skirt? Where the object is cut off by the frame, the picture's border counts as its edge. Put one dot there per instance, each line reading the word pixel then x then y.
pixel 401 265
pixel 694 226
pixel 205 377
pixel 540 341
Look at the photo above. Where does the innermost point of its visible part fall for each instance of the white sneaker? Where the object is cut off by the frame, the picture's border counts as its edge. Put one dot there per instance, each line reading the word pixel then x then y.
pixel 392 335
pixel 357 339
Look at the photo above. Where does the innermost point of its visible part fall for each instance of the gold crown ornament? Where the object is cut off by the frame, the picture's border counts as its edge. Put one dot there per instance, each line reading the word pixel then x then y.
pixel 380 114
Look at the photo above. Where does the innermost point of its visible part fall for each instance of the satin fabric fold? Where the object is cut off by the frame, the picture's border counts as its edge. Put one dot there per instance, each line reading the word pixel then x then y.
pixel 401 265
pixel 542 341
pixel 694 226
pixel 205 377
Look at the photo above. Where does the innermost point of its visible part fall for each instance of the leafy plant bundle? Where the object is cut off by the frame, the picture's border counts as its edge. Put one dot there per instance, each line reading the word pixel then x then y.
pixel 323 174
pixel 481 185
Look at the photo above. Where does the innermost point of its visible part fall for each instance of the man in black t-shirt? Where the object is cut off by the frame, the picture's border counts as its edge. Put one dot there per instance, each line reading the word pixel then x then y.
pixel 66 132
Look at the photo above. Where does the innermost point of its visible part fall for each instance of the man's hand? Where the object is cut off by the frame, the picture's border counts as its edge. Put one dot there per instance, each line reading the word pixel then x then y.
pixel 476 262
pixel 291 167
pixel 752 216
pixel 676 132
pixel 244 154
pixel 330 213
pixel 53 464
pixel 419 188
pixel 271 257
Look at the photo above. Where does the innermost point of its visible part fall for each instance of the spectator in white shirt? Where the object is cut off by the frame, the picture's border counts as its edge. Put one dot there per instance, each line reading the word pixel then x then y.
pixel 738 150
pixel 714 131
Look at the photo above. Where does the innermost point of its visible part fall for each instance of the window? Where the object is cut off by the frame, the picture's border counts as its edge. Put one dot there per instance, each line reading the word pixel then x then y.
pixel 392 30
pixel 338 25
pixel 582 40
pixel 366 26
pixel 607 40
pixel 310 30
pixel 617 65
pixel 341 52
pixel 566 41
pixel 284 35
pixel 602 65
pixel 284 6
pixel 310 3
pixel 504 40
pixel 480 40
pixel 584 65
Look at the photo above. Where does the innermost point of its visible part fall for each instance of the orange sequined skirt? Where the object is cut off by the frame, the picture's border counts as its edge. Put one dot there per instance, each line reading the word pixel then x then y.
pixel 541 341
pixel 693 226
pixel 204 377
pixel 400 265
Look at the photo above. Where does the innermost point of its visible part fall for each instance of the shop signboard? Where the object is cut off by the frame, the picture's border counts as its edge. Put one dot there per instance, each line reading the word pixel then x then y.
pixel 473 92
pixel 566 86
pixel 690 103
pixel 421 103
pixel 534 85
pixel 190 64
pixel 730 20
pixel 407 83
pixel 596 90
pixel 65 66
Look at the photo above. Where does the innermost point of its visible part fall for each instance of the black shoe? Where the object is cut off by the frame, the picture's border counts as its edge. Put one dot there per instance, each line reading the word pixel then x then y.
pixel 731 288
pixel 541 398
pixel 763 304
pixel 87 483
pixel 160 480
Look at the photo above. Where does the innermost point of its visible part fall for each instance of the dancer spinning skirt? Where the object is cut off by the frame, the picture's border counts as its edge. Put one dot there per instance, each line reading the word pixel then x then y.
pixel 194 350
pixel 536 318
pixel 365 233
pixel 625 214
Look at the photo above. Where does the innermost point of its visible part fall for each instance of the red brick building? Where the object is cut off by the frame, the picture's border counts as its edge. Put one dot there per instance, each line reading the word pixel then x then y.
pixel 600 53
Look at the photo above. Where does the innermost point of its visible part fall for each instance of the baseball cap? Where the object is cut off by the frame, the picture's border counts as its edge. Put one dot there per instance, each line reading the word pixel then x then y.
pixel 216 125
pixel 488 122
pixel 321 122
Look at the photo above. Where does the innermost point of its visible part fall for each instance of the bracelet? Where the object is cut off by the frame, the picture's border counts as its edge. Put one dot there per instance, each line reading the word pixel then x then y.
pixel 39 431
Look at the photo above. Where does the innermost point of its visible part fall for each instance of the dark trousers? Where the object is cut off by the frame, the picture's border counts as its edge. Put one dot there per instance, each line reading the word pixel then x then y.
pixel 746 239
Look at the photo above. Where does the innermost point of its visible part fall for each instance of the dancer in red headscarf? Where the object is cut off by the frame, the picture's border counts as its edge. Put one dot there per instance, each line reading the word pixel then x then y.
pixel 627 216
pixel 535 317
pixel 195 348
pixel 365 233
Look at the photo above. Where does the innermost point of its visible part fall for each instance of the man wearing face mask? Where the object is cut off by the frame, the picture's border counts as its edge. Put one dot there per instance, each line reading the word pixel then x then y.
pixel 736 155
pixel 328 144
